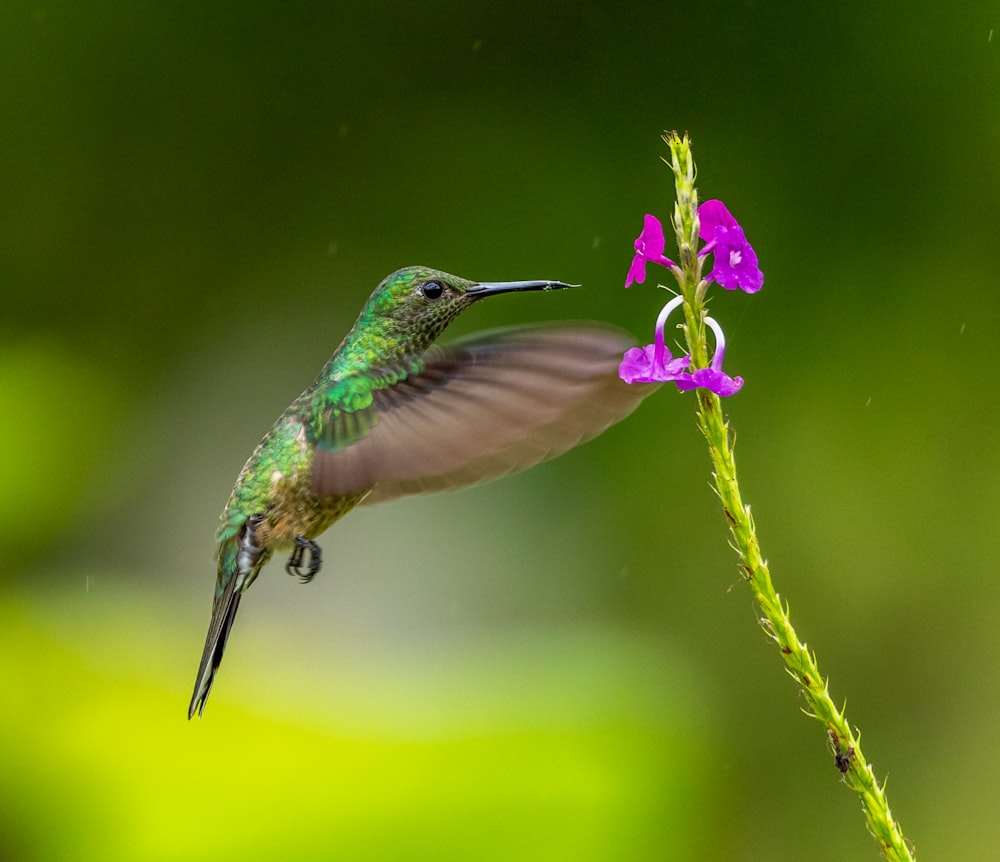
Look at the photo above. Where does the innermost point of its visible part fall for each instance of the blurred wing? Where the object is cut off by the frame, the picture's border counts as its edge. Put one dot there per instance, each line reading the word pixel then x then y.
pixel 485 406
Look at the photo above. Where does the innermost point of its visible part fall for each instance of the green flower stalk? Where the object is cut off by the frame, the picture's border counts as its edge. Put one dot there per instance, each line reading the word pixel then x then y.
pixel 735 266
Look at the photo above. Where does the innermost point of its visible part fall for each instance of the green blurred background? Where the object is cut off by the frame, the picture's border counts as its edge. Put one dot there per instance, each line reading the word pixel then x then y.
pixel 194 203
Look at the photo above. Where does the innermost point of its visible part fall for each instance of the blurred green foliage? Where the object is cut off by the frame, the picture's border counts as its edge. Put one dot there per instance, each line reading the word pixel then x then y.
pixel 196 200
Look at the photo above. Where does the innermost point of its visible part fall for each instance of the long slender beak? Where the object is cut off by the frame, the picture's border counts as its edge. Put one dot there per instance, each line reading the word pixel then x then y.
pixel 491 288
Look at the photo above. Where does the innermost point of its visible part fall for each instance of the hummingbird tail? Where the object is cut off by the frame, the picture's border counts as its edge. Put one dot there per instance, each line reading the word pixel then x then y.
pixel 240 559
pixel 223 614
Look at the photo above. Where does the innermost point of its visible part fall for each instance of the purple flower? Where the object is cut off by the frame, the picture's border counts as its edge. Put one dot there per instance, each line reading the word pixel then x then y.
pixel 653 363
pixel 649 246
pixel 713 377
pixel 735 260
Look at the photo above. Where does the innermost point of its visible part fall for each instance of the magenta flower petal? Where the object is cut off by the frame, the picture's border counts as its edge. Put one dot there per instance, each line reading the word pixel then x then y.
pixel 713 214
pixel 649 247
pixel 708 378
pixel 650 243
pixel 641 365
pixel 636 365
pixel 735 264
pixel 719 383
pixel 637 271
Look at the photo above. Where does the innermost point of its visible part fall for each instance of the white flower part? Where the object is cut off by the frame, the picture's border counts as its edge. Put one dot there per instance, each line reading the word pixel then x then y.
pixel 720 342
pixel 661 323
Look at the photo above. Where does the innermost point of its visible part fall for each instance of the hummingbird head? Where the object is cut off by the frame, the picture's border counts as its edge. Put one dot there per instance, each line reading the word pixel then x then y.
pixel 416 304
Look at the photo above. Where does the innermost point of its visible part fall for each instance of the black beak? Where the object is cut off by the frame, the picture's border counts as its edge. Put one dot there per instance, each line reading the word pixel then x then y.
pixel 491 288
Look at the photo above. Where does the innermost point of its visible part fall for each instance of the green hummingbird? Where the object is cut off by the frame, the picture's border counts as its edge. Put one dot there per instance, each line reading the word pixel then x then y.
pixel 393 413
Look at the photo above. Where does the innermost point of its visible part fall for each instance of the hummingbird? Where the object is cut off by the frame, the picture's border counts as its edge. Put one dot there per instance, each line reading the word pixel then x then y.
pixel 394 413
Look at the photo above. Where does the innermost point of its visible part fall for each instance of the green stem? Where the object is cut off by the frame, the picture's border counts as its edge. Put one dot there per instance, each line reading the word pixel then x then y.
pixel 775 620
pixel 776 623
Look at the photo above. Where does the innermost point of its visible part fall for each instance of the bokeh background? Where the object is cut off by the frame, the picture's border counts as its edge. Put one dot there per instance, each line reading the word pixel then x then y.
pixel 195 200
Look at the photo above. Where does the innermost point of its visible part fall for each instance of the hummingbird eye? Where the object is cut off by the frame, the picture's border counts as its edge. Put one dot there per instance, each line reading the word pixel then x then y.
pixel 432 290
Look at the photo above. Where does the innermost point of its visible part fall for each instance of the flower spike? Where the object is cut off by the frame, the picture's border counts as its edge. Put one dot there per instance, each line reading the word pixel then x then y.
pixel 649 247
pixel 735 266
pixel 735 260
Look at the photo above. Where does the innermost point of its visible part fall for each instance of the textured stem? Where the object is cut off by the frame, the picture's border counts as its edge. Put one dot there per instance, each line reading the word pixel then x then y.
pixel 776 623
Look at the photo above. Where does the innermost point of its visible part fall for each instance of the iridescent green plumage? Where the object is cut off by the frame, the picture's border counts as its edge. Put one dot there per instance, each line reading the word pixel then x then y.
pixel 391 414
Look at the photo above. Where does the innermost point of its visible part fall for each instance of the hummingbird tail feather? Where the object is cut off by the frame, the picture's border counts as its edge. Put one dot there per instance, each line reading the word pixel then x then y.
pixel 241 557
pixel 223 614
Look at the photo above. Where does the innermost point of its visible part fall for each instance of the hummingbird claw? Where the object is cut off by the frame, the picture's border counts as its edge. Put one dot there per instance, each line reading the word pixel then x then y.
pixel 294 564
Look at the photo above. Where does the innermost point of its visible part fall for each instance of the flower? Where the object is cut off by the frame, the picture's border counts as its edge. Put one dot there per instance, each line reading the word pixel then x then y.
pixel 654 363
pixel 713 377
pixel 735 260
pixel 735 265
pixel 649 246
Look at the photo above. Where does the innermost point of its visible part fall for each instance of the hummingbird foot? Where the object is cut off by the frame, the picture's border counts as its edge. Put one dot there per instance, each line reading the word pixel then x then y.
pixel 294 564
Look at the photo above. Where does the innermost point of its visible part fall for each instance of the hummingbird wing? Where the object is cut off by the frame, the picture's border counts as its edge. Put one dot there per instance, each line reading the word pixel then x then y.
pixel 482 407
